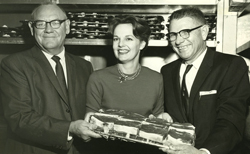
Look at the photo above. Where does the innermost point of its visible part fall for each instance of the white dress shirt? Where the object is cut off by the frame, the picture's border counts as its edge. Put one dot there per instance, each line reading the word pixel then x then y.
pixel 193 71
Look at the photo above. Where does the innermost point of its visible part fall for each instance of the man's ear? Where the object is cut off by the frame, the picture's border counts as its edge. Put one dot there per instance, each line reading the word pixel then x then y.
pixel 142 45
pixel 67 26
pixel 204 31
pixel 31 28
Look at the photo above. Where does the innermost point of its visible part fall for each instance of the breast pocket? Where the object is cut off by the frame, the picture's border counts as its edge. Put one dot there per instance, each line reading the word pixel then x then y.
pixel 208 104
pixel 211 97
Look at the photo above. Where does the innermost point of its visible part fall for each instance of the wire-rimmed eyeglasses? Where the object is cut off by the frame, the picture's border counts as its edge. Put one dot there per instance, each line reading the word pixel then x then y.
pixel 185 33
pixel 41 24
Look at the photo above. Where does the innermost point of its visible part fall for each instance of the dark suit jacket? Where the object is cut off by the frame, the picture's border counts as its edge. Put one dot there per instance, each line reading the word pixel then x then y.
pixel 37 111
pixel 219 118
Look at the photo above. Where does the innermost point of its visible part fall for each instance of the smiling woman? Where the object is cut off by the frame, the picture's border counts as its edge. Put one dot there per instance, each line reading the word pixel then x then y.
pixel 126 46
pixel 123 85
pixel 127 85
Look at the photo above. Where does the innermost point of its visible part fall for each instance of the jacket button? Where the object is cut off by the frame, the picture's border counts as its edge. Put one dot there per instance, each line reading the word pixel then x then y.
pixel 68 110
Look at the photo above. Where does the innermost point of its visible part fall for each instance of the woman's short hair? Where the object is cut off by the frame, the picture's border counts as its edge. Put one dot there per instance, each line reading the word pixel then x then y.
pixel 141 29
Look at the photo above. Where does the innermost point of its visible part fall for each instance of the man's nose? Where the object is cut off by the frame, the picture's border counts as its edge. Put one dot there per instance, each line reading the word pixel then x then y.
pixel 48 28
pixel 179 39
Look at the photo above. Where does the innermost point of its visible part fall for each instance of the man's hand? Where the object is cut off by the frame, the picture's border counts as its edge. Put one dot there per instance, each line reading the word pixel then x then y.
pixel 87 116
pixel 182 149
pixel 83 129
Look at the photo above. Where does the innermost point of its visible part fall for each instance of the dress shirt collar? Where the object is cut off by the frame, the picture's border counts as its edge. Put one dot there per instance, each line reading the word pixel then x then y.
pixel 193 71
pixel 197 63
pixel 53 63
pixel 61 55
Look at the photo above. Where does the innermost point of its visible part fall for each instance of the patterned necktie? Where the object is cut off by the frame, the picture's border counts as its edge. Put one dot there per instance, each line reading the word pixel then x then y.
pixel 184 93
pixel 60 74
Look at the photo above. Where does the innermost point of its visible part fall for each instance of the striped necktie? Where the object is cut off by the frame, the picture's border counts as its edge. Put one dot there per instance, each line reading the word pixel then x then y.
pixel 184 92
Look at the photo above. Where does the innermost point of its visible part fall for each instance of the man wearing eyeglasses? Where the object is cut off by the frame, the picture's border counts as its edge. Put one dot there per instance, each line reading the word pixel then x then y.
pixel 43 91
pixel 211 94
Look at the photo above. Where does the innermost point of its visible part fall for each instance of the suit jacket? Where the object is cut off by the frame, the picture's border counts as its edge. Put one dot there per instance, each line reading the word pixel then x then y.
pixel 217 100
pixel 36 109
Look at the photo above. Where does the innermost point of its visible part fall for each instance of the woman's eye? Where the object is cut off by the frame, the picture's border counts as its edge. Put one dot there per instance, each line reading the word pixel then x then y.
pixel 129 39
pixel 115 39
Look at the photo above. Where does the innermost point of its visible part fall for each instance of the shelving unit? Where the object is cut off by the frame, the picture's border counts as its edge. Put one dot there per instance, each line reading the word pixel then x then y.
pixel 160 7
pixel 74 41
pixel 115 2
pixel 229 39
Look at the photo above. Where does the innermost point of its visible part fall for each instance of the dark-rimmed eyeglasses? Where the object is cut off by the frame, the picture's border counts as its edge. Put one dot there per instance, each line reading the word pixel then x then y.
pixel 41 24
pixel 185 33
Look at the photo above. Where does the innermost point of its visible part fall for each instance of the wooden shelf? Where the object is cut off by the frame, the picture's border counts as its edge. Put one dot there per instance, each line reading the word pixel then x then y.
pixel 162 7
pixel 108 6
pixel 74 41
pixel 15 40
pixel 140 2
pixel 115 2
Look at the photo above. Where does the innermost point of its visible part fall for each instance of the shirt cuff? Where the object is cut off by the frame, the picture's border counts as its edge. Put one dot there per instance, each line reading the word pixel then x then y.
pixel 203 149
pixel 69 137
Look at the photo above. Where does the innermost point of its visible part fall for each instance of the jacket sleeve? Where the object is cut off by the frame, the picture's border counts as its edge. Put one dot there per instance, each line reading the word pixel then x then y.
pixel 231 112
pixel 19 110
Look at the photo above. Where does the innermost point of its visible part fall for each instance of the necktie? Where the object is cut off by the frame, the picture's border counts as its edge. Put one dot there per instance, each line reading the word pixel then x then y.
pixel 60 74
pixel 184 93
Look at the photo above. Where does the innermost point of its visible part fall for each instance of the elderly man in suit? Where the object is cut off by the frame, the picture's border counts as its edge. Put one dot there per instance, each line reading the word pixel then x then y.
pixel 211 95
pixel 43 91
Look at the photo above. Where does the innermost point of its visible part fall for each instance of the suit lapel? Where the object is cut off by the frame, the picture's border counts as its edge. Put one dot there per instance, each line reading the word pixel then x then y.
pixel 71 76
pixel 45 65
pixel 203 71
pixel 176 82
pixel 201 76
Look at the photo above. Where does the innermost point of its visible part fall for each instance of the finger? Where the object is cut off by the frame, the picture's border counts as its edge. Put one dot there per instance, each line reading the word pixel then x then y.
pixel 101 110
pixel 160 116
pixel 86 125
pixel 151 116
pixel 92 126
pixel 87 140
pixel 178 147
pixel 87 116
pixel 163 149
pixel 92 134
pixel 168 151
pixel 169 119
